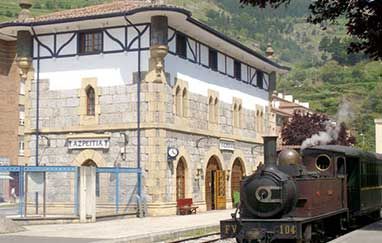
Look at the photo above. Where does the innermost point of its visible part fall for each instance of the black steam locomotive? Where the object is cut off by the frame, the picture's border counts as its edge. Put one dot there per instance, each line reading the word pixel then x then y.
pixel 305 199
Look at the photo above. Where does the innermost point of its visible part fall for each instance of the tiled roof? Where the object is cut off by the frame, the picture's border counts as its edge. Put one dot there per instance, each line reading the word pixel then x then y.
pixel 101 9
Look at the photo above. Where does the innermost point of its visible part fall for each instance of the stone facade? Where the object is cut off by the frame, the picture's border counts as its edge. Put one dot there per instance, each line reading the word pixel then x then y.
pixel 161 127
pixel 210 132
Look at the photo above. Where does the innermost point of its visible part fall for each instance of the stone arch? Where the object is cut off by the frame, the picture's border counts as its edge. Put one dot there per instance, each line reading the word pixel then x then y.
pixel 213 152
pixel 214 192
pixel 238 154
pixel 89 154
pixel 237 171
pixel 183 154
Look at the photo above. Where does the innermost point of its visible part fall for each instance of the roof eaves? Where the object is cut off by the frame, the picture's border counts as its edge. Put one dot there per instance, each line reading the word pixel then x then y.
pixel 238 44
pixel 152 8
pixel 96 16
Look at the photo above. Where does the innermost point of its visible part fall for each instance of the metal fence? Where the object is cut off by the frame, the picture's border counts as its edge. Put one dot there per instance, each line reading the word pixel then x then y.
pixel 53 191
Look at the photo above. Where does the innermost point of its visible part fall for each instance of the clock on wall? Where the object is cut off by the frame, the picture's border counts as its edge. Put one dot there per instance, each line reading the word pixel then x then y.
pixel 172 153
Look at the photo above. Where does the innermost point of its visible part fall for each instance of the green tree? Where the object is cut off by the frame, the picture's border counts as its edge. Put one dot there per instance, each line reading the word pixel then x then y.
pixel 364 20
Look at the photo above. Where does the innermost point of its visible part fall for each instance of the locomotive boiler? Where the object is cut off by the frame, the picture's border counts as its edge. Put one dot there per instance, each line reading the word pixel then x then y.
pixel 306 198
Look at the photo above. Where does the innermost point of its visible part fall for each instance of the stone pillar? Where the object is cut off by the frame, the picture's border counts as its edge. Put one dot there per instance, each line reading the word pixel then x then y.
pixel 24 50
pixel 272 84
pixel 378 135
pixel 87 194
pixel 158 49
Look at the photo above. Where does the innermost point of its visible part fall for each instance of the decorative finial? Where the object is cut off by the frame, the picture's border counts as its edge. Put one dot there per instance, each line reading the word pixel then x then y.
pixel 25 13
pixel 269 52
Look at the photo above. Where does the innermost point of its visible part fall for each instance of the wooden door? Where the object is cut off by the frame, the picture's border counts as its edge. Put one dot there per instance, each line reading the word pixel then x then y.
pixel 236 176
pixel 220 197
pixel 180 180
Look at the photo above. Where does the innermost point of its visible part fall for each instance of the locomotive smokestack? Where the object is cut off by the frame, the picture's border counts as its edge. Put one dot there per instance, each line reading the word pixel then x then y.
pixel 270 153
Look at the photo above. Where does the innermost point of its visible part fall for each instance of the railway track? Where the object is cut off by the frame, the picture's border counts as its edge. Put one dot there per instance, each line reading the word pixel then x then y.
pixel 214 237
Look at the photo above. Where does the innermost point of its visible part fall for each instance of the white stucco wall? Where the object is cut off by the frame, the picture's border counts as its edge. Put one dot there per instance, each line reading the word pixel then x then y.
pixel 110 69
pixel 200 79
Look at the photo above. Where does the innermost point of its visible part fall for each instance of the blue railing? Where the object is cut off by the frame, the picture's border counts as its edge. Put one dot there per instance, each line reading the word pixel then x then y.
pixel 24 169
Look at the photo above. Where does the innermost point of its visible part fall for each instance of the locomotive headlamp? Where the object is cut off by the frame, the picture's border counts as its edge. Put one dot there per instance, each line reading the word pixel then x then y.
pixel 268 194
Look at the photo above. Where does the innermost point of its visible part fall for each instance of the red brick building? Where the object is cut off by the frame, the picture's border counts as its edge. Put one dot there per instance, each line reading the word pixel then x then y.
pixel 10 98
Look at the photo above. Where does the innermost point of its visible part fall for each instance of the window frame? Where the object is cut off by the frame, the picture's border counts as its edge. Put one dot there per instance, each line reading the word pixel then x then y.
pixel 90 112
pixel 237 70
pixel 181 50
pixel 81 42
pixel 21 146
pixel 260 79
pixel 213 59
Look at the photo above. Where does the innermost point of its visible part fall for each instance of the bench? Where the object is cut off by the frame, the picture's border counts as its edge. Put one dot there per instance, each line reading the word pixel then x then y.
pixel 185 206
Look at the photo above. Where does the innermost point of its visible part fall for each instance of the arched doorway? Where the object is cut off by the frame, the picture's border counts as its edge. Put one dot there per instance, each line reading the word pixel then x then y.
pixel 91 163
pixel 236 176
pixel 181 179
pixel 215 185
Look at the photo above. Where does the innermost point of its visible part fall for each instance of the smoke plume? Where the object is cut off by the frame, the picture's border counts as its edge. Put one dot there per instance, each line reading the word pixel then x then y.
pixel 344 114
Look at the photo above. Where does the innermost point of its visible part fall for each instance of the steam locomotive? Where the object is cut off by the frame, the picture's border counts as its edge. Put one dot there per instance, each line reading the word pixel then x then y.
pixel 304 199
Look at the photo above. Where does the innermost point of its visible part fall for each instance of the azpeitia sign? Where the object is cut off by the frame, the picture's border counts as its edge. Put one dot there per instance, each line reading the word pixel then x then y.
pixel 227 145
pixel 88 143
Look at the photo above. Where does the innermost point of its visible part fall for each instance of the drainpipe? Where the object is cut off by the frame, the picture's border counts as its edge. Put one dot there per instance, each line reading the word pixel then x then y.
pixel 139 189
pixel 37 95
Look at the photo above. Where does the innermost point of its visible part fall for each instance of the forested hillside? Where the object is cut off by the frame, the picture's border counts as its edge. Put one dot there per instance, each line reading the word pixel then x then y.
pixel 322 71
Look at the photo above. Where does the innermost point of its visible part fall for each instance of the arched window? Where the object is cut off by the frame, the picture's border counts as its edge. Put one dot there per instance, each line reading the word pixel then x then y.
pixel 184 103
pixel 257 120
pixel 90 101
pixel 238 114
pixel 178 101
pixel 216 110
pixel 211 109
pixel 234 115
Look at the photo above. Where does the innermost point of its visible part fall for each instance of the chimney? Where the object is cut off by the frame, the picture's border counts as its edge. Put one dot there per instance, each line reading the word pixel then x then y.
pixel 269 52
pixel 270 153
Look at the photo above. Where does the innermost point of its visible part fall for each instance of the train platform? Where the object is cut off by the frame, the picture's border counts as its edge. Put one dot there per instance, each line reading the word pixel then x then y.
pixel 368 234
pixel 148 229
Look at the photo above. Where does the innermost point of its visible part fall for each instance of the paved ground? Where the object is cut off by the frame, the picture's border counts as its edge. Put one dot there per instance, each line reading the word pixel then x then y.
pixel 369 234
pixel 32 239
pixel 116 229
pixel 8 210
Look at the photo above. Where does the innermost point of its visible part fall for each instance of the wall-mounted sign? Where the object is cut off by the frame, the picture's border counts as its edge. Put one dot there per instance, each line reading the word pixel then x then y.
pixel 86 143
pixel 36 182
pixel 227 145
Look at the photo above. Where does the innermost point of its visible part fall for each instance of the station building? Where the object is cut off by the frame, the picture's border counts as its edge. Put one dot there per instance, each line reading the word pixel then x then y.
pixel 204 98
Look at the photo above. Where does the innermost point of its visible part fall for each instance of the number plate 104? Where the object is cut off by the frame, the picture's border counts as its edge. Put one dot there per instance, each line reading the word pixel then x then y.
pixel 287 229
